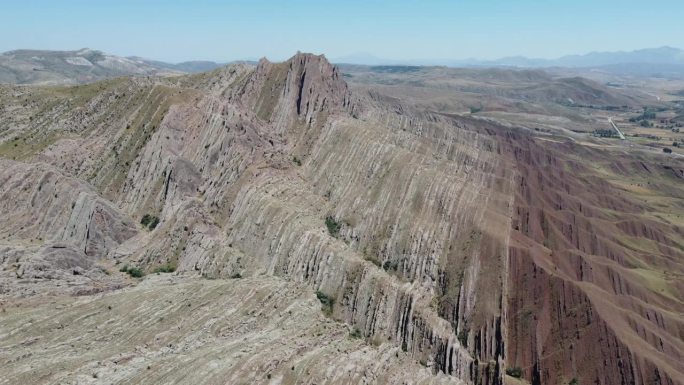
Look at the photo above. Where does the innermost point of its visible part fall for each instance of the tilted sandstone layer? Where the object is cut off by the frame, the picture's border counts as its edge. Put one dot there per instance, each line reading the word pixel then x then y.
pixel 596 263
pixel 450 242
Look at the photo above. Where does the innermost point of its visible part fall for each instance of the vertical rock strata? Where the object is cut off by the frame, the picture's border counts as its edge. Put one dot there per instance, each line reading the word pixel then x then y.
pixel 595 292
pixel 472 247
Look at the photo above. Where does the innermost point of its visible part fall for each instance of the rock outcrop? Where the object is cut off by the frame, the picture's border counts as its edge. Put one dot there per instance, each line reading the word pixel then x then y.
pixel 469 247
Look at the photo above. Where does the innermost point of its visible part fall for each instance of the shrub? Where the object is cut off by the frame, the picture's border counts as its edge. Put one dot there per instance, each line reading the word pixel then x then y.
pixel 326 302
pixel 149 221
pixel 296 161
pixel 154 223
pixel 146 219
pixel 124 269
pixel 236 275
pixel 135 272
pixel 667 150
pixel 355 334
pixel 332 225
pixel 514 372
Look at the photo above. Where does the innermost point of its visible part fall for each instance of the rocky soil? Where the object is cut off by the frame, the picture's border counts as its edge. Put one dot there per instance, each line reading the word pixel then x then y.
pixel 319 234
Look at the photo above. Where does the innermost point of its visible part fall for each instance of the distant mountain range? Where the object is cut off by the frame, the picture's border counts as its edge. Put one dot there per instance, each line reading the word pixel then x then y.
pixel 87 65
pixel 663 61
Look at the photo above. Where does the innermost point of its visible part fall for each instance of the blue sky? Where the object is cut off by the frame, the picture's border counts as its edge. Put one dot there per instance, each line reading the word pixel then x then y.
pixel 403 30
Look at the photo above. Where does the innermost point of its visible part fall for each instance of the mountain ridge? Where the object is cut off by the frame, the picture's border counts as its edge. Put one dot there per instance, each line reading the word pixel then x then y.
pixel 27 66
pixel 426 239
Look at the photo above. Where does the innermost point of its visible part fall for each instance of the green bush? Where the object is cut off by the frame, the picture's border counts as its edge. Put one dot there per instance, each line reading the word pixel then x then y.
pixel 149 221
pixel 146 219
pixel 332 225
pixel 154 223
pixel 134 272
pixel 514 372
pixel 296 161
pixel 355 334
pixel 326 302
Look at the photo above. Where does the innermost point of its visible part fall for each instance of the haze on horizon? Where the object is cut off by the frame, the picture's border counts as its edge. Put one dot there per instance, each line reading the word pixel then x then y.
pixel 177 31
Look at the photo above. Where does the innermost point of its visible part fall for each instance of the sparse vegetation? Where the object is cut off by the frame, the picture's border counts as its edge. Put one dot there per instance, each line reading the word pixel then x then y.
pixel 149 221
pixel 146 219
pixel 355 334
pixel 514 372
pixel 648 114
pixel 154 223
pixel 395 69
pixel 332 225
pixel 605 133
pixel 134 272
pixel 296 161
pixel 327 302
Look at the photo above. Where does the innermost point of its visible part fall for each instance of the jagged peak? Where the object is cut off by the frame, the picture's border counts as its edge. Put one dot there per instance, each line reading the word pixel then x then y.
pixel 302 86
pixel 299 56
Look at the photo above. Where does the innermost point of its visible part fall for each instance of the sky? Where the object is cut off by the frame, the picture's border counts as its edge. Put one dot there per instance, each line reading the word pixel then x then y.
pixel 401 29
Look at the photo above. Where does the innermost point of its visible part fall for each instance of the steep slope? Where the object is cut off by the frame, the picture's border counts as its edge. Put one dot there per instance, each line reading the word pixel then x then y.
pixel 595 280
pixel 437 240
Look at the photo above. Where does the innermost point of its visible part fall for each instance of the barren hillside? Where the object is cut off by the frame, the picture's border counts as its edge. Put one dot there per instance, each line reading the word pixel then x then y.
pixel 83 66
pixel 321 234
